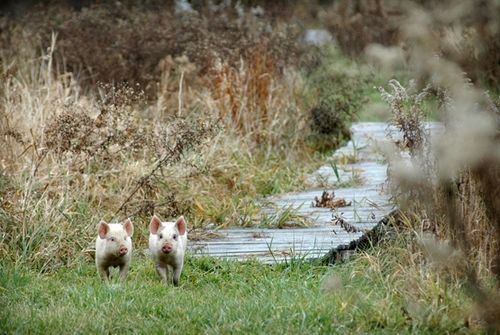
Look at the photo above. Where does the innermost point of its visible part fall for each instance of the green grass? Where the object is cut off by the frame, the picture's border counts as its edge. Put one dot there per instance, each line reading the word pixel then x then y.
pixel 368 294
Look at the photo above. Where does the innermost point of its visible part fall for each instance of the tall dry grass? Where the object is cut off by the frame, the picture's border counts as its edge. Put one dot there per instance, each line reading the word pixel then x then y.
pixel 204 143
pixel 447 182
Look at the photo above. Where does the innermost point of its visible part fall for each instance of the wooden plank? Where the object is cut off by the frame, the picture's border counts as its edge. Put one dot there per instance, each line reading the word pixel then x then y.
pixel 231 240
pixel 264 232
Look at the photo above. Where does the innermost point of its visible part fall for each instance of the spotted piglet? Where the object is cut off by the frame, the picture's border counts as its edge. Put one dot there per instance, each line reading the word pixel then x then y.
pixel 167 245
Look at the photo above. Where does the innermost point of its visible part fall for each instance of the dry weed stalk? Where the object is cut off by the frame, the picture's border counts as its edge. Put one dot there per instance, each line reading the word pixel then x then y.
pixel 69 159
pixel 179 138
pixel 258 103
pixel 451 189
pixel 243 93
pixel 452 196
pixel 407 115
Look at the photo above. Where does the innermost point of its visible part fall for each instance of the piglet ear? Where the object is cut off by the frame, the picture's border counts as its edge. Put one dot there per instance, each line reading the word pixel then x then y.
pixel 129 227
pixel 181 225
pixel 154 225
pixel 102 229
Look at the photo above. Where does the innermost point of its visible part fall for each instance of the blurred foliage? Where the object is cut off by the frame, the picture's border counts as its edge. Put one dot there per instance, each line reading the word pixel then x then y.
pixel 115 42
pixel 339 87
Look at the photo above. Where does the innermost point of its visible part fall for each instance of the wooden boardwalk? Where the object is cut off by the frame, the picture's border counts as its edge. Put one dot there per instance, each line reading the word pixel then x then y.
pixel 360 178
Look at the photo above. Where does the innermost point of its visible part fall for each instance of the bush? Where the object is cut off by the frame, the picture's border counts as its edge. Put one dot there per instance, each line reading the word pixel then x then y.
pixel 339 88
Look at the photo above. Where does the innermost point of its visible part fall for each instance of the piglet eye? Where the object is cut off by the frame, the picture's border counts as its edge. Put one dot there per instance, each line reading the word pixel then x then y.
pixel 125 238
pixel 160 236
pixel 112 239
pixel 175 236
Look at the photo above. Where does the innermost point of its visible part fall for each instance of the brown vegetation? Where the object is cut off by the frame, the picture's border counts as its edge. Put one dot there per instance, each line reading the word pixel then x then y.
pixel 116 42
pixel 121 110
pixel 447 186
pixel 470 39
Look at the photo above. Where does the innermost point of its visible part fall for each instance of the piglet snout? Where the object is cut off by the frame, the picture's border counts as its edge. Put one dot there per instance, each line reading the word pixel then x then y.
pixel 167 248
pixel 123 250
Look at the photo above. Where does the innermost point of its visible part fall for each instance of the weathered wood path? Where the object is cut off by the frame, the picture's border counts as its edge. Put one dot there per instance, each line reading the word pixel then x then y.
pixel 360 177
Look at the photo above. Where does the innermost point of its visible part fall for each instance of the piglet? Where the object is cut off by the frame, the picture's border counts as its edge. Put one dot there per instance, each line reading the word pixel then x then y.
pixel 167 245
pixel 113 247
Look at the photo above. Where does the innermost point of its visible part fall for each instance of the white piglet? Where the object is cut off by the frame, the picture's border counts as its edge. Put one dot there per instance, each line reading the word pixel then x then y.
pixel 167 245
pixel 113 247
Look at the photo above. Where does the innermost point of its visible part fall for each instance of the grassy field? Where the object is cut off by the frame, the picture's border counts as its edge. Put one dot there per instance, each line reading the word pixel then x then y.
pixel 371 293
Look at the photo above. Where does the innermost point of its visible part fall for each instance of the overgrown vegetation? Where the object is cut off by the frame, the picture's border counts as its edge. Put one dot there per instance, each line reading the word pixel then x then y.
pixel 448 184
pixel 468 35
pixel 124 110
pixel 338 91
pixel 115 42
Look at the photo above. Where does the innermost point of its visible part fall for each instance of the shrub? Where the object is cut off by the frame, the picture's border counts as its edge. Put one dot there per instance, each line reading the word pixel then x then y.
pixel 339 88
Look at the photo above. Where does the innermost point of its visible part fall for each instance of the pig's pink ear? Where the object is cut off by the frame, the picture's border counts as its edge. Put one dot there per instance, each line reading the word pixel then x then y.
pixel 154 225
pixel 181 225
pixel 129 227
pixel 102 229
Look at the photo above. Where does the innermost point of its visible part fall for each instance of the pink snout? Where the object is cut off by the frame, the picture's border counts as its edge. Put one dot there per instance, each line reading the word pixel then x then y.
pixel 167 248
pixel 123 250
